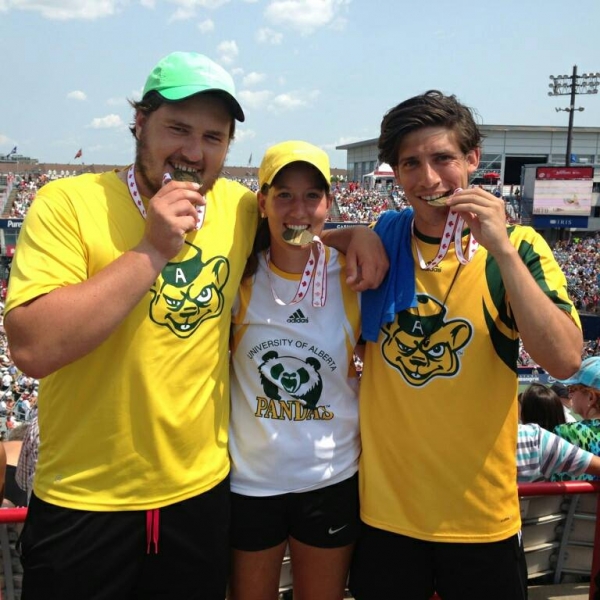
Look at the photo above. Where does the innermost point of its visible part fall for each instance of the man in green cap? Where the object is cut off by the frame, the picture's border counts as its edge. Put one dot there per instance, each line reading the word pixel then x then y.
pixel 120 301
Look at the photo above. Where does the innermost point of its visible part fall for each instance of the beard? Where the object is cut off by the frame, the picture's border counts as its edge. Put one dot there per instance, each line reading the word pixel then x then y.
pixel 143 168
pixel 150 181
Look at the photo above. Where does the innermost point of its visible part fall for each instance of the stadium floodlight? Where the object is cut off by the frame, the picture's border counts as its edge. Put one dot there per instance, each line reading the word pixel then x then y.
pixel 570 85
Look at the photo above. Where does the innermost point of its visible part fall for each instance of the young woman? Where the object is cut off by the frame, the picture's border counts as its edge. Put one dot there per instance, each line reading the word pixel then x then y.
pixel 294 438
pixel 540 404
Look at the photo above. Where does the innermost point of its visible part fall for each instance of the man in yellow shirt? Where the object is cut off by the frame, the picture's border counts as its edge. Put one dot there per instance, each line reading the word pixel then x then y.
pixel 438 398
pixel 120 300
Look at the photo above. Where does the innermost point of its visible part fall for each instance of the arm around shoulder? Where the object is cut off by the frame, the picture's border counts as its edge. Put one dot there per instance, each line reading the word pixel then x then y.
pixel 366 259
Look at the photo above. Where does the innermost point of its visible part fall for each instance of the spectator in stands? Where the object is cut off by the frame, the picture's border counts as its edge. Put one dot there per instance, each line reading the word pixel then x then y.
pixel 13 494
pixel 119 299
pixel 440 506
pixel 11 421
pixel 562 391
pixel 2 471
pixel 6 379
pixel 294 474
pixel 29 455
pixel 541 454
pixel 23 407
pixel 580 259
pixel 541 405
pixel 3 403
pixel 584 388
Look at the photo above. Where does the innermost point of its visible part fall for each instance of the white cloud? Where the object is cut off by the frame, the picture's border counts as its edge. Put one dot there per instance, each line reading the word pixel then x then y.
pixel 107 122
pixel 255 100
pixel 236 71
pixel 268 36
pixel 306 16
pixel 253 78
pixel 4 139
pixel 241 135
pixel 182 14
pixel 76 95
pixel 293 100
pixel 288 101
pixel 228 51
pixel 118 101
pixel 206 26
pixel 63 10
pixel 341 141
pixel 192 4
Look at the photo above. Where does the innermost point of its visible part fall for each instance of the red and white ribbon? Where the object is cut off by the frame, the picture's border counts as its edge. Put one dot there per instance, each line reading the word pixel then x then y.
pixel 137 197
pixel 453 228
pixel 315 270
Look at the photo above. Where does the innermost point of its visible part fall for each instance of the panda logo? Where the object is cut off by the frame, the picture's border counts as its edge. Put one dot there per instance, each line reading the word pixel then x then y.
pixel 297 378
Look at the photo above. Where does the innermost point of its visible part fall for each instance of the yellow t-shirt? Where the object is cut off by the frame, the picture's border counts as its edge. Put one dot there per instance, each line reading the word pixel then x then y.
pixel 439 419
pixel 140 422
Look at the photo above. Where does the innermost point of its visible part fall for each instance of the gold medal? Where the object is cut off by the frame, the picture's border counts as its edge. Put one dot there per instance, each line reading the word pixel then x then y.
pixel 298 237
pixel 180 175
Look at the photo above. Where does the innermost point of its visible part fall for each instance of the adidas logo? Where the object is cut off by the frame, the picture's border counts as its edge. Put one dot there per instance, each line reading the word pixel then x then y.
pixel 297 317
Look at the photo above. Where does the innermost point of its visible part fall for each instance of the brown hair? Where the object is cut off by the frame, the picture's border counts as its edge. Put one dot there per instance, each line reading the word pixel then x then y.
pixel 541 405
pixel 431 109
pixel 153 101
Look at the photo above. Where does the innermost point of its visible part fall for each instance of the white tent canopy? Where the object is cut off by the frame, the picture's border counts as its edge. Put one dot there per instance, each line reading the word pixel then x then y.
pixel 382 175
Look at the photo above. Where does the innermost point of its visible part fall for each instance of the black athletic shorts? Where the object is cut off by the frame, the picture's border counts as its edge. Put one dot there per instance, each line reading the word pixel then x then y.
pixel 179 551
pixel 326 518
pixel 390 565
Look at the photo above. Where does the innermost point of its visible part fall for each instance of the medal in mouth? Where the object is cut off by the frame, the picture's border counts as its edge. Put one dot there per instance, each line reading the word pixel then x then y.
pixel 181 175
pixel 438 201
pixel 442 200
pixel 298 237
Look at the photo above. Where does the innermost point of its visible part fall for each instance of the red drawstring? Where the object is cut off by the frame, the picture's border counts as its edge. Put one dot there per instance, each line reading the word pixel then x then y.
pixel 152 521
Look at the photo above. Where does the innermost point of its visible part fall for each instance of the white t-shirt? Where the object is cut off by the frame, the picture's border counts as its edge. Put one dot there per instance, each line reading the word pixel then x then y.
pixel 285 359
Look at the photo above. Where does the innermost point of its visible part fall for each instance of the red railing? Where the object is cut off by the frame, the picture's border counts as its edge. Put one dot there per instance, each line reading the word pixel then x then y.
pixel 17 515
pixel 572 487
pixel 12 515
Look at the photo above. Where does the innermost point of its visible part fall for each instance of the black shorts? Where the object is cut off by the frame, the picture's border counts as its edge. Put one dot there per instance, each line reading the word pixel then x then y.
pixel 389 565
pixel 75 554
pixel 325 518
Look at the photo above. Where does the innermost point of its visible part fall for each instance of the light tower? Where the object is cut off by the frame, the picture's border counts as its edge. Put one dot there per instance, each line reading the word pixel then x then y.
pixel 565 85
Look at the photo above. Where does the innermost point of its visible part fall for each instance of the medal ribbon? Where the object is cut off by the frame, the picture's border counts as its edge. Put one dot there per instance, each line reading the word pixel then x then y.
pixel 453 227
pixel 134 192
pixel 314 270
pixel 137 197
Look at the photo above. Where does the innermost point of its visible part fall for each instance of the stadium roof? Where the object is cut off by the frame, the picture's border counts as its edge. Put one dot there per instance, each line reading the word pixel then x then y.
pixel 495 128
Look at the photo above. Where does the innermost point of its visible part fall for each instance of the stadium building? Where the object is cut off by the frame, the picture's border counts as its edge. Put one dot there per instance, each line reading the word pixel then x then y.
pixel 506 149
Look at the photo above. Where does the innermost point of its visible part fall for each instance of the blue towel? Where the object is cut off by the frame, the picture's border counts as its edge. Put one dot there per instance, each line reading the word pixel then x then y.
pixel 397 291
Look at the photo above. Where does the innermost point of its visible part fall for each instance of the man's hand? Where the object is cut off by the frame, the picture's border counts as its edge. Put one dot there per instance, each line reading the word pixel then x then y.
pixel 486 217
pixel 366 259
pixel 172 213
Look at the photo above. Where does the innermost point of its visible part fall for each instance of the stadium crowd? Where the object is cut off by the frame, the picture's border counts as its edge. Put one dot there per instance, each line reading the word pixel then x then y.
pixel 25 190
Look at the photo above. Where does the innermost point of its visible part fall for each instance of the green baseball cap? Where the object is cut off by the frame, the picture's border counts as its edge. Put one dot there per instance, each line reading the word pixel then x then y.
pixel 180 75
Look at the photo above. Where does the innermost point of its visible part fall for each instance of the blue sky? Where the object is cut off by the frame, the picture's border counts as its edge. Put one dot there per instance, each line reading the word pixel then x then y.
pixel 320 70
